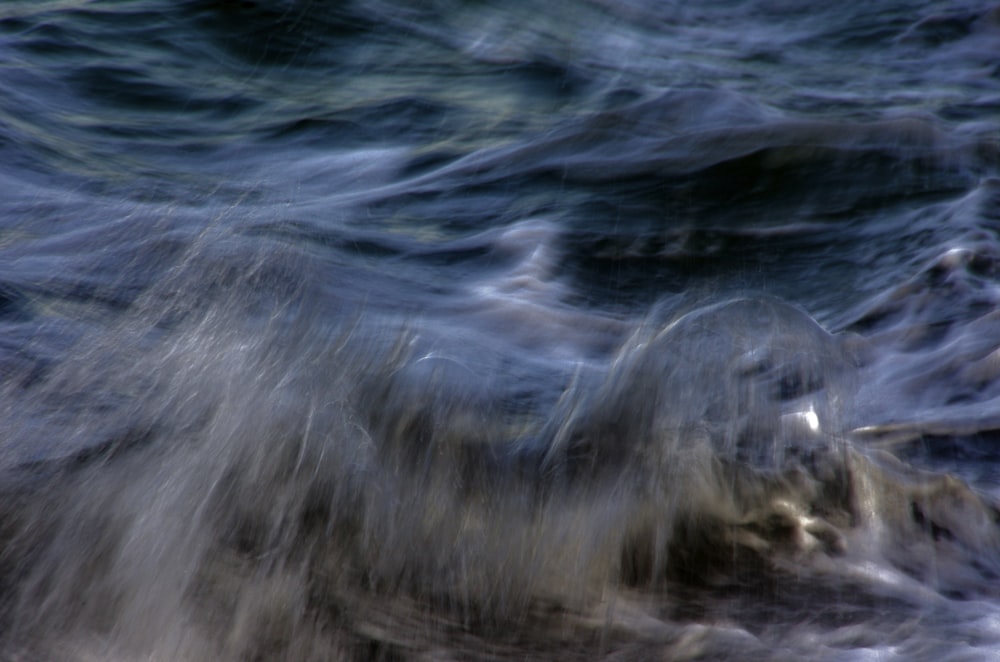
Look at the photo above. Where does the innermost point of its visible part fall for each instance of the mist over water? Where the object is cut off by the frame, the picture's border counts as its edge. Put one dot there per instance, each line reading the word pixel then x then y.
pixel 523 330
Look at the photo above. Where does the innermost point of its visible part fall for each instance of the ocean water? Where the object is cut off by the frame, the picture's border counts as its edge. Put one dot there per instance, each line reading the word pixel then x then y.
pixel 474 330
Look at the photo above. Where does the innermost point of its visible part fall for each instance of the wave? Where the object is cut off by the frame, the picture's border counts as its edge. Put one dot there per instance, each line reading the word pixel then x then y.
pixel 218 488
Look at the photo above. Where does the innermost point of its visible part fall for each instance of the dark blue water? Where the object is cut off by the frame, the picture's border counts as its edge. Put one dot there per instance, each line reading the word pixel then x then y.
pixel 499 330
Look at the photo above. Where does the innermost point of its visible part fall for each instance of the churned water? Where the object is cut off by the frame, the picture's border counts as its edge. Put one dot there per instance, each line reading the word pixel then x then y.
pixel 563 329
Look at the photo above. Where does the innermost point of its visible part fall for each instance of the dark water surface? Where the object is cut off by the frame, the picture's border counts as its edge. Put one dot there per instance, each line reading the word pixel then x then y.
pixel 499 330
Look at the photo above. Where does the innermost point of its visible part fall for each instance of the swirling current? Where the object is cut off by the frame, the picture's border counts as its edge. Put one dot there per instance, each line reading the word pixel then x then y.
pixel 475 330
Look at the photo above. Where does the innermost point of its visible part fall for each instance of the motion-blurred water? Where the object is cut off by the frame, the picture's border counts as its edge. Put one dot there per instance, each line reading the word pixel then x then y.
pixel 571 329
